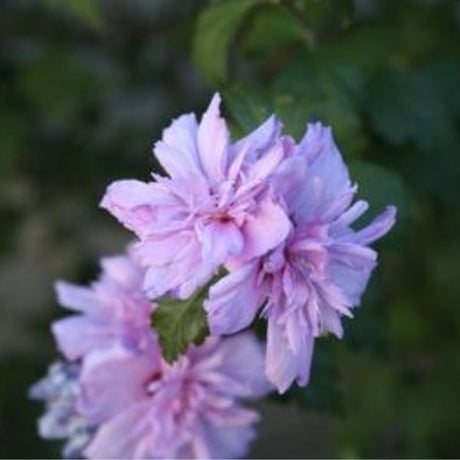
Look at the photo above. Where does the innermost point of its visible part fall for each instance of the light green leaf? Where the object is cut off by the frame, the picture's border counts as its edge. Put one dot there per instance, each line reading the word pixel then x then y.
pixel 216 28
pixel 180 323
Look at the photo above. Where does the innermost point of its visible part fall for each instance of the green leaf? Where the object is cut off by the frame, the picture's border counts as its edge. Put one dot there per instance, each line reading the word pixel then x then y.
pixel 248 107
pixel 216 28
pixel 314 88
pixel 405 107
pixel 86 11
pixel 180 323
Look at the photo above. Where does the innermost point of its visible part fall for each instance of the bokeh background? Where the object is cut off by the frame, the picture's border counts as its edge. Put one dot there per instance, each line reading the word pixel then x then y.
pixel 86 87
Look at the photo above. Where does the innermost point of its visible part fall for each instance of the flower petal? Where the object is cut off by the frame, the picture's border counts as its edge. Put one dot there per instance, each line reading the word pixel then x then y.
pixel 213 142
pixel 134 203
pixel 238 351
pixel 282 366
pixel 265 229
pixel 233 301
pixel 112 379
pixel 177 151
pixel 120 436
pixel 260 139
pixel 380 226
pixel 75 297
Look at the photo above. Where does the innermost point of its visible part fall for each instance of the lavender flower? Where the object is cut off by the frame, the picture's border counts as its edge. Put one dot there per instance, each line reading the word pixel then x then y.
pixel 120 399
pixel 147 408
pixel 316 275
pixel 113 309
pixel 215 204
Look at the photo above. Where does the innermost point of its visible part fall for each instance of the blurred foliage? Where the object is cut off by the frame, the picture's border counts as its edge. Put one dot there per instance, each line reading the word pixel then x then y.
pixel 86 86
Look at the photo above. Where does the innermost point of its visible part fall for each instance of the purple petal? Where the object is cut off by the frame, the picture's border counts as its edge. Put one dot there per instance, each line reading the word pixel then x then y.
pixel 134 203
pixel 75 297
pixel 265 230
pixel 260 139
pixel 281 364
pixel 380 226
pixel 120 436
pixel 112 379
pixel 220 240
pixel 233 301
pixel 78 335
pixel 240 350
pixel 177 151
pixel 226 441
pixel 213 142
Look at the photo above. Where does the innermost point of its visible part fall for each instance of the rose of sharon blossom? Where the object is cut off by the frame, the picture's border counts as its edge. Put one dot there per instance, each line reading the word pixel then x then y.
pixel 114 308
pixel 216 202
pixel 59 390
pixel 314 277
pixel 147 408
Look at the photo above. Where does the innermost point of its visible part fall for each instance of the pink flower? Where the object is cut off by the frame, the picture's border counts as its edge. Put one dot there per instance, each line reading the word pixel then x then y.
pixel 316 275
pixel 215 204
pixel 147 408
pixel 114 308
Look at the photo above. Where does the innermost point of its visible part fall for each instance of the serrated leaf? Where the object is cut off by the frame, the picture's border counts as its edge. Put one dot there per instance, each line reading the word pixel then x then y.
pixel 180 323
pixel 215 30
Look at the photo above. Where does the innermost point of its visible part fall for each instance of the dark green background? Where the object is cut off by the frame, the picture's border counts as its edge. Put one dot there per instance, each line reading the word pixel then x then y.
pixel 86 87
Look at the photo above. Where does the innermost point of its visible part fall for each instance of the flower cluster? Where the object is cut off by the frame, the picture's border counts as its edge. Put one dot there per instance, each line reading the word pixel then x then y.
pixel 276 214
pixel 264 225
pixel 116 397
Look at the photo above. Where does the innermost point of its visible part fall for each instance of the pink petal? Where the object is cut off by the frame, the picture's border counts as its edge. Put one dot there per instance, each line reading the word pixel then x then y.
pixel 78 335
pixel 265 230
pixel 177 151
pixel 134 203
pixel 112 379
pixel 244 362
pixel 75 297
pixel 233 301
pixel 267 163
pixel 213 142
pixel 260 139
pixel 220 240
pixel 120 436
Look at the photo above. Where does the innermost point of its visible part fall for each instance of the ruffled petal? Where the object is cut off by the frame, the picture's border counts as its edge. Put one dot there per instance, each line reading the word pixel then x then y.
pixel 233 301
pixel 327 179
pixel 379 227
pixel 112 379
pixel 265 229
pixel 260 139
pixel 239 351
pixel 177 152
pixel 78 335
pixel 121 436
pixel 213 142
pixel 134 203
pixel 76 297
pixel 220 240
pixel 282 366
